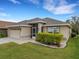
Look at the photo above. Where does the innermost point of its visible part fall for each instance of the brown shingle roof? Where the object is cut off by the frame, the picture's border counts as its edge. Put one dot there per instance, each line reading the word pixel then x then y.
pixel 51 21
pixel 31 20
pixel 47 20
pixel 3 24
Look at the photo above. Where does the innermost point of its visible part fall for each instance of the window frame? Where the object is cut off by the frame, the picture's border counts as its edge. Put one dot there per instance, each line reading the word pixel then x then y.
pixel 53 29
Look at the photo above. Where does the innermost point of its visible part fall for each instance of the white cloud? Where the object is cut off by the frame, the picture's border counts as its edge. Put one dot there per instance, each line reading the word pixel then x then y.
pixel 3 13
pixel 63 2
pixel 9 20
pixel 34 1
pixel 62 7
pixel 15 1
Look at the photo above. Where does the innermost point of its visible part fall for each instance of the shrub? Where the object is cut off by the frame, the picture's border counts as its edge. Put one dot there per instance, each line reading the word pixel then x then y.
pixel 2 35
pixel 49 38
pixel 76 37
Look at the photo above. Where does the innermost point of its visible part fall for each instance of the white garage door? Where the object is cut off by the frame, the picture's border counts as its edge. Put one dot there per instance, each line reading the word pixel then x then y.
pixel 14 33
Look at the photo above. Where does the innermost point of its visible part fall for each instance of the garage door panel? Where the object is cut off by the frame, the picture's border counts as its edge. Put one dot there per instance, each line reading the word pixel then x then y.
pixel 14 33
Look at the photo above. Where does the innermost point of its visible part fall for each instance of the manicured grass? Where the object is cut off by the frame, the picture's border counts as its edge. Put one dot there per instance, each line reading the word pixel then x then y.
pixel 32 51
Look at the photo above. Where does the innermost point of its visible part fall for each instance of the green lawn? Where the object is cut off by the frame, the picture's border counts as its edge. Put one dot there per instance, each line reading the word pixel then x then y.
pixel 32 51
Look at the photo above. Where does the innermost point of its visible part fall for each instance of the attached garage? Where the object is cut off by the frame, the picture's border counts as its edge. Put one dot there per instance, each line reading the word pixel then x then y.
pixel 19 31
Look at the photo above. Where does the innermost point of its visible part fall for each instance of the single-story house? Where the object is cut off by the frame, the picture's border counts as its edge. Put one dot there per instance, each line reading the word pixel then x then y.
pixel 30 28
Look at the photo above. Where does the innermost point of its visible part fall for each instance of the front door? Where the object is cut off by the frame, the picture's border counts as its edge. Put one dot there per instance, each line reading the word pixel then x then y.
pixel 34 32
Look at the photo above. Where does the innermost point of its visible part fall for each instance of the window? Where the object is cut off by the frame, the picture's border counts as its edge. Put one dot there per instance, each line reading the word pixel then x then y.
pixel 49 29
pixel 53 29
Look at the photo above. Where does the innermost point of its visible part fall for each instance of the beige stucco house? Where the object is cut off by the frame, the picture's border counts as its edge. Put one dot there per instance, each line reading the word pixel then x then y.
pixel 30 28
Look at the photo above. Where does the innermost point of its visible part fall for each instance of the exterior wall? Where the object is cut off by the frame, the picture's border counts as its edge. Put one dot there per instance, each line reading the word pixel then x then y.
pixel 63 30
pixel 25 31
pixel 45 29
pixel 40 27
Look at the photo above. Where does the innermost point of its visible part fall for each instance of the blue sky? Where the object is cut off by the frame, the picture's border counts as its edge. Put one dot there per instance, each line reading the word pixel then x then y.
pixel 18 10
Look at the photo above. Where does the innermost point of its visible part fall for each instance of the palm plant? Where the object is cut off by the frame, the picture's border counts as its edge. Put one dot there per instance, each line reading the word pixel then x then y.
pixel 74 22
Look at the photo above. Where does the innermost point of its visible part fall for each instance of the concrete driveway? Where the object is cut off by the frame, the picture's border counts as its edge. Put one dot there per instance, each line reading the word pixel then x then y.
pixel 16 40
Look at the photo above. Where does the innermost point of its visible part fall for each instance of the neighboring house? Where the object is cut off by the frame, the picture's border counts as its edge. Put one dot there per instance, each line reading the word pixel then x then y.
pixel 30 28
pixel 3 28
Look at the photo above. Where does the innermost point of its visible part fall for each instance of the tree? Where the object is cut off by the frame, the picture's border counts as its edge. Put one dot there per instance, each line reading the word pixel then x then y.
pixel 74 22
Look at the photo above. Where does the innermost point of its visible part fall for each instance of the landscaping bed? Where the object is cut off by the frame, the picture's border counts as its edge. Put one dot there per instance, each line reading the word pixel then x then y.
pixel 50 38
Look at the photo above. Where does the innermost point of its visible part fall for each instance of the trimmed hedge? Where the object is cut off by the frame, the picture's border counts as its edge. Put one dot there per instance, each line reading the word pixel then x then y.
pixel 2 35
pixel 49 38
